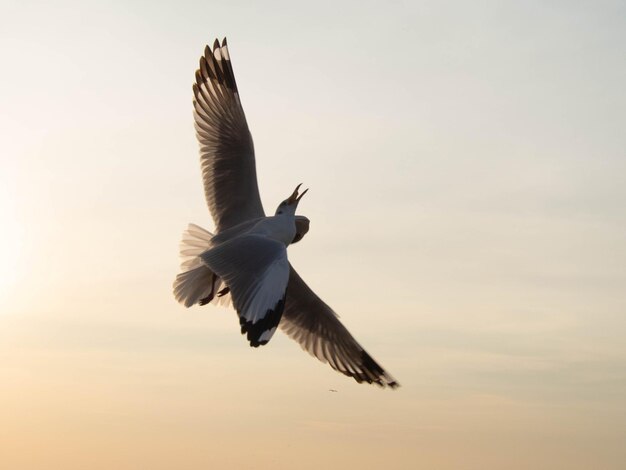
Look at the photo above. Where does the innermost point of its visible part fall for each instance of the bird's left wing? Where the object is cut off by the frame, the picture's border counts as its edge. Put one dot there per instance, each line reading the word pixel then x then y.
pixel 226 148
pixel 256 270
pixel 313 324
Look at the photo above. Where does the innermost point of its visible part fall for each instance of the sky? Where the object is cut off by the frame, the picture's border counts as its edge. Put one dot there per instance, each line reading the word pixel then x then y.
pixel 468 223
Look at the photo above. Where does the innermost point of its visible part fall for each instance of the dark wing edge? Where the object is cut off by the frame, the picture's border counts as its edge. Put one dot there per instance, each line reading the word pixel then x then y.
pixel 256 271
pixel 226 147
pixel 316 327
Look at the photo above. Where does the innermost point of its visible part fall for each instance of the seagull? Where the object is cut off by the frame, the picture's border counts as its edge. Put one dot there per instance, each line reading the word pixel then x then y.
pixel 245 261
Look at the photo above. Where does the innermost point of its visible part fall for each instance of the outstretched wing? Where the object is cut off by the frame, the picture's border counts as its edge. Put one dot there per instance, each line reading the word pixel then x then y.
pixel 256 270
pixel 313 324
pixel 226 148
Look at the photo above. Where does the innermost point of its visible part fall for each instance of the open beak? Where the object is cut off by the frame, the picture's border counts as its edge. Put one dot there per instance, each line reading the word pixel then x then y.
pixel 294 198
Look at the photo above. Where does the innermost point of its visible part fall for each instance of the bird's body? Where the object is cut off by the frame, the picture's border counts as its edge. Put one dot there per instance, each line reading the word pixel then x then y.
pixel 281 228
pixel 246 262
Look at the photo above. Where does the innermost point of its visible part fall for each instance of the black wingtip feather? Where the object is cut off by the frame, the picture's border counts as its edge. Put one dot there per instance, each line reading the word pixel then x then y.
pixel 216 68
pixel 374 373
pixel 254 331
pixel 204 70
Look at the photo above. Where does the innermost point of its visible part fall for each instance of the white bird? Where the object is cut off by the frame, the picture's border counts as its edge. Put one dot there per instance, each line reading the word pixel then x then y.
pixel 246 260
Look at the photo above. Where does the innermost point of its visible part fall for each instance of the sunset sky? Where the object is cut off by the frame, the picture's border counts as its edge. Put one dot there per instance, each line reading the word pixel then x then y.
pixel 467 168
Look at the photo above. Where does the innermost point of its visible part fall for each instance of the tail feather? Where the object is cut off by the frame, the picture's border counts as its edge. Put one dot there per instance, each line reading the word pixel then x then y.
pixel 197 284
pixel 195 241
pixel 194 285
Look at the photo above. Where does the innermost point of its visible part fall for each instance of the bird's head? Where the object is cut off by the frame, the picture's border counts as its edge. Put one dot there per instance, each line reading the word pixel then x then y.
pixel 288 206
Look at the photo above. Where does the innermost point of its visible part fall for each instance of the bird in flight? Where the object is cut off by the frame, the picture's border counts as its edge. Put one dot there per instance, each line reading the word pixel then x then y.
pixel 245 262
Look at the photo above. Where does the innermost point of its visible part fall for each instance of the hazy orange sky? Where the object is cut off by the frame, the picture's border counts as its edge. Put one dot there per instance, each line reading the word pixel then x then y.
pixel 468 204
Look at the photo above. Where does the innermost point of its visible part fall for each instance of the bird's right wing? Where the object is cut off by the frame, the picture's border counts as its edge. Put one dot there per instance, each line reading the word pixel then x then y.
pixel 256 270
pixel 316 327
pixel 226 148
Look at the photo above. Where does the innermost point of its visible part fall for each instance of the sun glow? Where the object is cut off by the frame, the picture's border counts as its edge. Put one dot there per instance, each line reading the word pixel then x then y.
pixel 10 246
